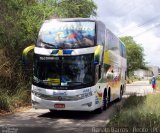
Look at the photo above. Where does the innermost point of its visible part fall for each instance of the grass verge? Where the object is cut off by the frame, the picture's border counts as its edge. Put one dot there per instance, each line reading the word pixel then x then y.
pixel 10 102
pixel 138 111
pixel 158 85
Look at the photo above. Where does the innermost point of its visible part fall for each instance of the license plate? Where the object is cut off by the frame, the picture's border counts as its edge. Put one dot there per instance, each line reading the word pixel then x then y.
pixel 59 105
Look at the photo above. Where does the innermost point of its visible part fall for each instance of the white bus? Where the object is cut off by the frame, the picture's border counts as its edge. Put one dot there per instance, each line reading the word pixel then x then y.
pixel 78 65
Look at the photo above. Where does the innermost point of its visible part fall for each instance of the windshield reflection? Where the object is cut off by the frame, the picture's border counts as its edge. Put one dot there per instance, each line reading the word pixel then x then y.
pixel 67 35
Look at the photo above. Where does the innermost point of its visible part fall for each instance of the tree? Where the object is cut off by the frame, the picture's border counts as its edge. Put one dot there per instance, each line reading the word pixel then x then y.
pixel 135 54
pixel 21 20
pixel 76 8
pixel 19 26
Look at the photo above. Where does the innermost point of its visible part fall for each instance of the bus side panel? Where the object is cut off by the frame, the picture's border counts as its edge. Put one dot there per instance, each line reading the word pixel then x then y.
pixel 115 64
pixel 113 73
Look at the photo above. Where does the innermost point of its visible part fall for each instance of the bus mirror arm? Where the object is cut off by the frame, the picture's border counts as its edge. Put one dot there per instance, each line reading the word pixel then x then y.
pixel 25 53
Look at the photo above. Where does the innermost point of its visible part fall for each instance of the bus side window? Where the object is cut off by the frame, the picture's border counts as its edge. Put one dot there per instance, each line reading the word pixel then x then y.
pixel 113 43
pixel 101 35
pixel 106 40
pixel 122 50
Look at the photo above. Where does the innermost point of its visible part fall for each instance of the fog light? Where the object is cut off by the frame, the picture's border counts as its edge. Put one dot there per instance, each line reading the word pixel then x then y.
pixel 90 104
pixel 87 104
pixel 34 102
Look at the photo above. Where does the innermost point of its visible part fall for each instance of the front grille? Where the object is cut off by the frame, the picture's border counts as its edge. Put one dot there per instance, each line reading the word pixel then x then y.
pixel 56 98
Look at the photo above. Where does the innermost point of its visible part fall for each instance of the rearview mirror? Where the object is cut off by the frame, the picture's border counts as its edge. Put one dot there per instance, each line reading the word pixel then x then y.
pixel 26 52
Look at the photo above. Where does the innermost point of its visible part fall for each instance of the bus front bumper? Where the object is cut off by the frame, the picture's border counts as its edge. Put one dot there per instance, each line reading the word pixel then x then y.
pixel 86 104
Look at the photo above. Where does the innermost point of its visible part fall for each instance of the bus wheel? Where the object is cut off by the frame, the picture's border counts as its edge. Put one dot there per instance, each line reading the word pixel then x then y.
pixel 105 101
pixel 99 110
pixel 121 93
pixel 108 98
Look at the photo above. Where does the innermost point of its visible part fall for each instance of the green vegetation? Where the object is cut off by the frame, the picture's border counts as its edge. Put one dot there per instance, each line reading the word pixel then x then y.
pixel 135 55
pixel 132 79
pixel 19 25
pixel 8 102
pixel 138 111
pixel 158 77
pixel 158 84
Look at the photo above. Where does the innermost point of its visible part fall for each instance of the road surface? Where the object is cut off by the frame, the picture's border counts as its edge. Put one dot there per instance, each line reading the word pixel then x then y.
pixel 139 88
pixel 41 121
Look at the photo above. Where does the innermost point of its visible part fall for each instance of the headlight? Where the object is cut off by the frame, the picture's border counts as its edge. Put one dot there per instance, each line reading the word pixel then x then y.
pixel 85 95
pixel 36 93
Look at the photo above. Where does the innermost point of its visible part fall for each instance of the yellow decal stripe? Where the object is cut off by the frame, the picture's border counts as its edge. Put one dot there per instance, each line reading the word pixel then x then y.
pixel 60 52
pixel 107 57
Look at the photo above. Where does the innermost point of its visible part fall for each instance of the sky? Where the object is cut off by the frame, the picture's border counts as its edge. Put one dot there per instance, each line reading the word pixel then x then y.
pixel 137 18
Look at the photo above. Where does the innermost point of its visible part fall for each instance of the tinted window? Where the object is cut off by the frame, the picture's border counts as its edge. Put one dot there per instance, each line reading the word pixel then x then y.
pixel 122 50
pixel 63 71
pixel 113 43
pixel 107 40
pixel 101 36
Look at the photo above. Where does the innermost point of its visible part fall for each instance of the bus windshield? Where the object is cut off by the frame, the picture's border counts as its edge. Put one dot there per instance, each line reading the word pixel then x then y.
pixel 66 35
pixel 64 71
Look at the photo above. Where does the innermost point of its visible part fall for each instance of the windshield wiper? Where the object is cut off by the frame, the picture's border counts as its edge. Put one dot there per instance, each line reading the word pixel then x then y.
pixel 50 45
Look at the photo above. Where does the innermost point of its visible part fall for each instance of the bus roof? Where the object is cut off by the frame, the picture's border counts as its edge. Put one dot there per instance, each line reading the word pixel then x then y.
pixel 73 19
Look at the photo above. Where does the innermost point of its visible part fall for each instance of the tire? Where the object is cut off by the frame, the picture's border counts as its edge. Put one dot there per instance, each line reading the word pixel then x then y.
pixel 121 94
pixel 99 110
pixel 105 103
pixel 108 98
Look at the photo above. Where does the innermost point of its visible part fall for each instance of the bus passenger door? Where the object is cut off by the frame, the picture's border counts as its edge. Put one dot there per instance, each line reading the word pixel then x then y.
pixel 97 73
pixel 98 82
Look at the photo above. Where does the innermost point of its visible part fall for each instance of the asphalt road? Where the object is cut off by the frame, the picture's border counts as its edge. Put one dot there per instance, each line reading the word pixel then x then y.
pixel 41 121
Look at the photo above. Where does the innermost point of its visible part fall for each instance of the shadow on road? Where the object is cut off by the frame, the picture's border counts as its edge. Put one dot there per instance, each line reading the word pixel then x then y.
pixel 59 121
pixel 81 115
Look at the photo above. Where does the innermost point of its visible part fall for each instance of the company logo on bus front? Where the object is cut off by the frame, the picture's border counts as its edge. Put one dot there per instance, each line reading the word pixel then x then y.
pixel 59 98
pixel 59 93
